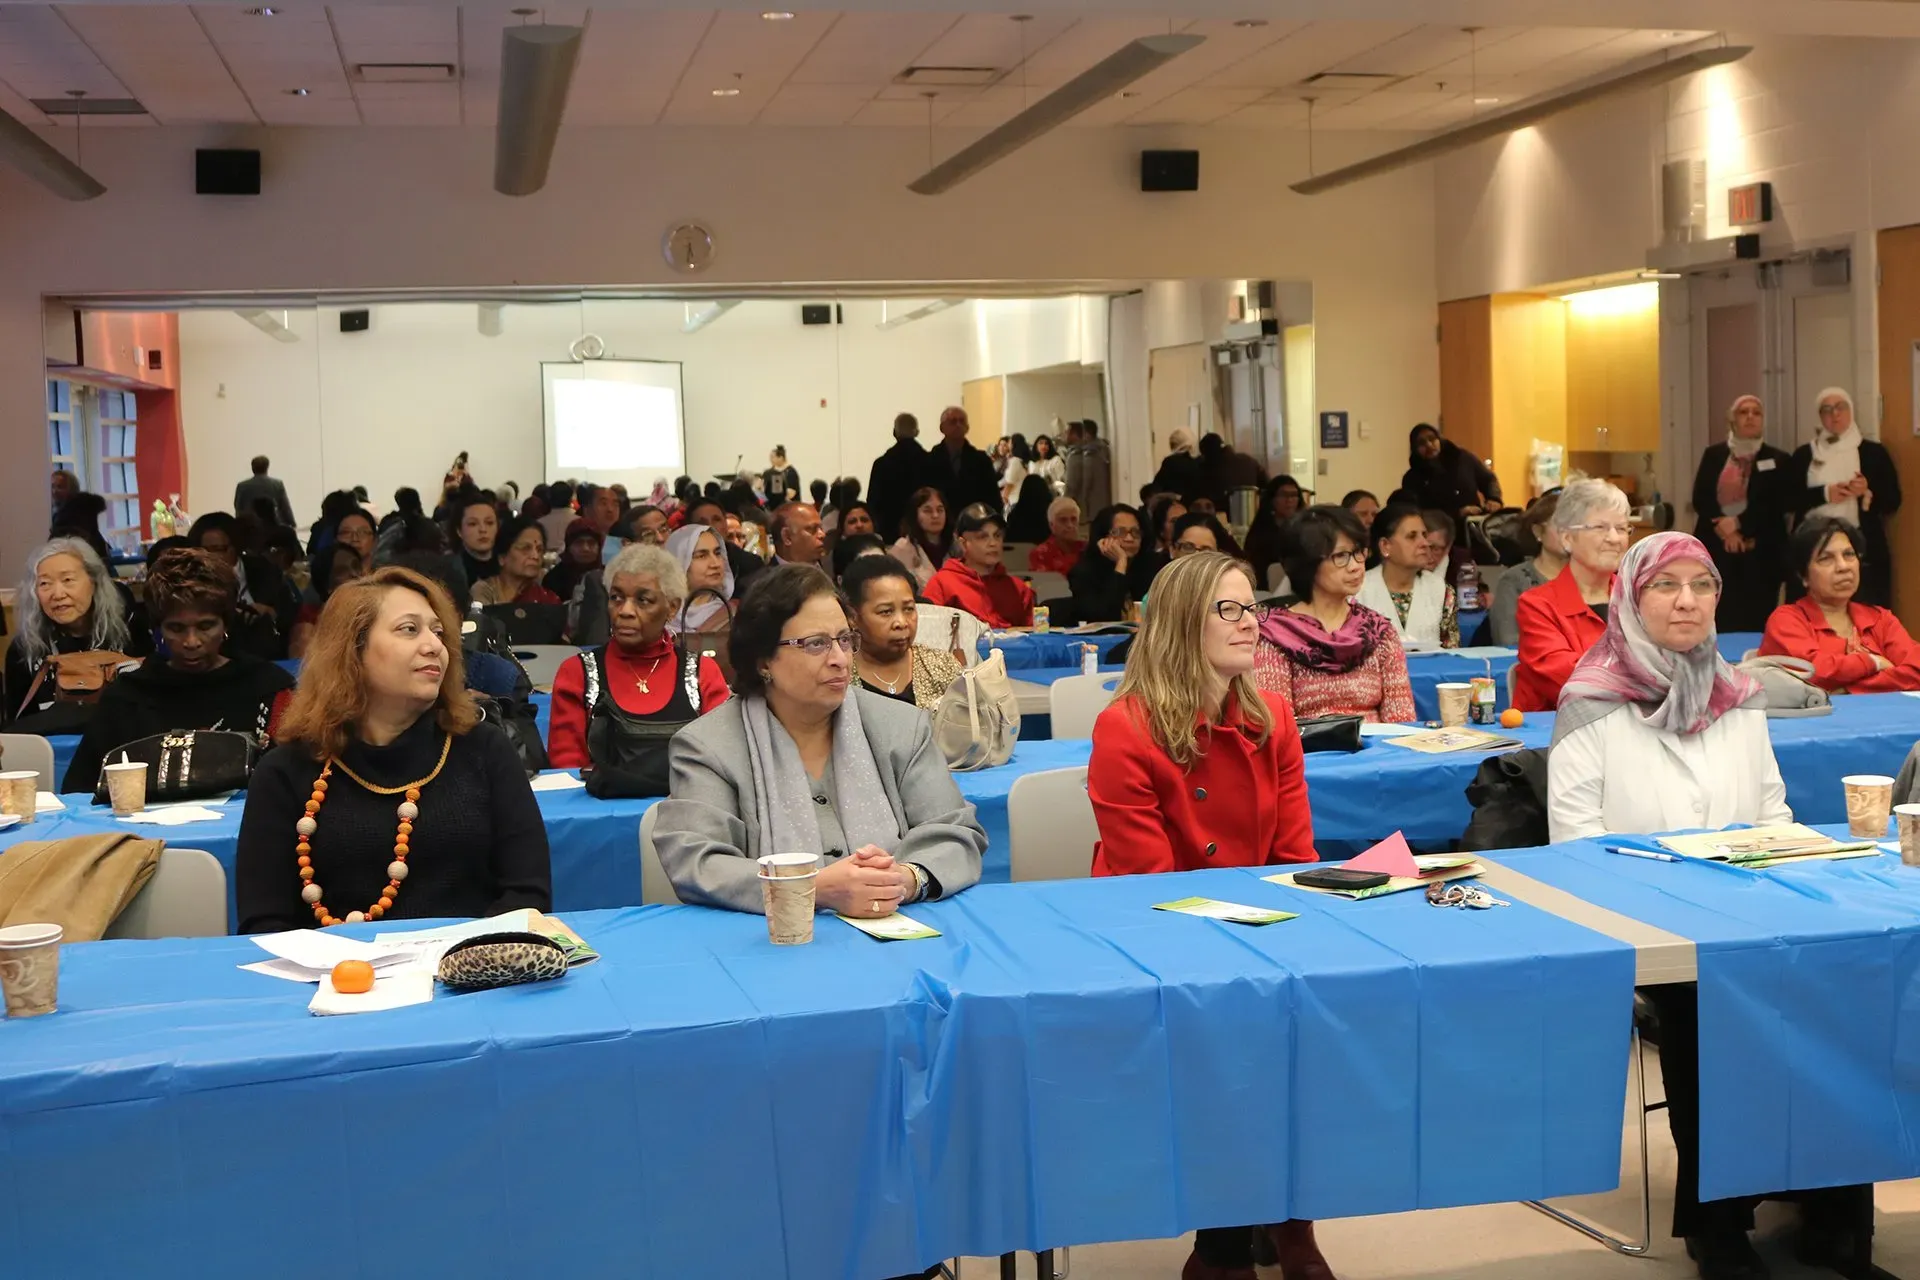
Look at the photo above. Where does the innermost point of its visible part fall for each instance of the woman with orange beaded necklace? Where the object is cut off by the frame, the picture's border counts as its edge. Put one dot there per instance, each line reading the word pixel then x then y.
pixel 388 797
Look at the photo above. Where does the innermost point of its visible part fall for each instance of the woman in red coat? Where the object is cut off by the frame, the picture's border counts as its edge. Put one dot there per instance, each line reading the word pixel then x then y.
pixel 1560 620
pixel 973 577
pixel 1194 767
pixel 1854 647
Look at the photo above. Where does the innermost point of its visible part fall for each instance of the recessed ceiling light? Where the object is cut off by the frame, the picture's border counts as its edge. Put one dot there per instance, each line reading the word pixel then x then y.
pixel 726 93
pixel 1251 22
pixel 777 15
pixel 1485 102
pixel 1129 93
pixel 298 93
pixel 263 13
pixel 1673 35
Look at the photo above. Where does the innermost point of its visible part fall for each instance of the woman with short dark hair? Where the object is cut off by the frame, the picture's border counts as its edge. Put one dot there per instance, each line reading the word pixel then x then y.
pixel 1413 598
pixel 188 683
pixel 523 552
pixel 1854 647
pixel 804 761
pixel 1114 569
pixel 880 595
pixel 926 539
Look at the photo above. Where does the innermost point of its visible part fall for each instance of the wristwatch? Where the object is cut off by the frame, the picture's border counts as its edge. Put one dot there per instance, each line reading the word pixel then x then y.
pixel 919 881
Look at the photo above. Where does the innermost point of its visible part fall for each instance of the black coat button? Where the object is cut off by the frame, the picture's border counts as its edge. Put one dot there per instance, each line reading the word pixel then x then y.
pixel 819 799
pixel 1199 793
pixel 1211 846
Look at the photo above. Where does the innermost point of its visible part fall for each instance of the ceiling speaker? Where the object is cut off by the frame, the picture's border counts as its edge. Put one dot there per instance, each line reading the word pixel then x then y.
pixel 1169 170
pixel 226 173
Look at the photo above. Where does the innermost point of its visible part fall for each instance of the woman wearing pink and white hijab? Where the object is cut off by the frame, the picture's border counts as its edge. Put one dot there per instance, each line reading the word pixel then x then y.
pixel 1655 731
pixel 1741 496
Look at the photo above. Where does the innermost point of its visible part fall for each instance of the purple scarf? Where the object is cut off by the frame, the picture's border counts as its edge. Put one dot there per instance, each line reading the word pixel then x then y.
pixel 1306 643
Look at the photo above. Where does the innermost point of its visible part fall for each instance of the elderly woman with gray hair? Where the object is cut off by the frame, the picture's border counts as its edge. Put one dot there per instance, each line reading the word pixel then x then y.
pixel 1842 474
pixel 1560 620
pixel 69 603
pixel 616 707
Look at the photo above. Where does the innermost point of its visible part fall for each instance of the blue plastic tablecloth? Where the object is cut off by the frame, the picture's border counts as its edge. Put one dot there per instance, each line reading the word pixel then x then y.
pixel 64 746
pixel 1734 644
pixel 1064 1066
pixel 1809 1008
pixel 1053 649
pixel 1427 671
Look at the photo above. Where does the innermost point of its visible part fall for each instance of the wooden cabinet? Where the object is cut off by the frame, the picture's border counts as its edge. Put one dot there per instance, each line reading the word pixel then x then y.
pixel 1613 373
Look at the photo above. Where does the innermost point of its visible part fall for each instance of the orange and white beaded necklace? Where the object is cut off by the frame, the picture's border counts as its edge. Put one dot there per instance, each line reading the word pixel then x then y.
pixel 409 809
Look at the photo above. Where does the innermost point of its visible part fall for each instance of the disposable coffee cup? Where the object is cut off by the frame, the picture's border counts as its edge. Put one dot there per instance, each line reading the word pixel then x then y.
pixel 30 968
pixel 1454 701
pixel 19 791
pixel 1869 804
pixel 1908 818
pixel 786 890
pixel 126 787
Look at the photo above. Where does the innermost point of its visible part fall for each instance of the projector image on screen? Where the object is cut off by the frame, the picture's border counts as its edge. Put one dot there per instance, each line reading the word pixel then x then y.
pixel 614 421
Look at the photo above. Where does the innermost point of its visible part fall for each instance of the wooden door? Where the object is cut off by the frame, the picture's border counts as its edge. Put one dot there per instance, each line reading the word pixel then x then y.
pixel 1899 253
pixel 1179 393
pixel 985 400
pixel 1466 374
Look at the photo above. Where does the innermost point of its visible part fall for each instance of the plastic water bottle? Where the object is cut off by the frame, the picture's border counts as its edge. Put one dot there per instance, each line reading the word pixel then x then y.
pixel 1466 587
pixel 1089 659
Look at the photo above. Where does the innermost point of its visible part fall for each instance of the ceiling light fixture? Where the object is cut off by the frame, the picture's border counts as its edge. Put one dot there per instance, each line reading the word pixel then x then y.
pixel 918 313
pixel 38 159
pixel 263 13
pixel 776 15
pixel 1519 117
pixel 1094 85
pixel 536 69
pixel 726 93
pixel 298 93
pixel 272 323
pixel 1248 24
pixel 696 320
pixel 1486 102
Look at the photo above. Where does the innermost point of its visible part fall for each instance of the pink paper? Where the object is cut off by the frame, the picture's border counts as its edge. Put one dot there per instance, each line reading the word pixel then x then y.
pixel 1390 855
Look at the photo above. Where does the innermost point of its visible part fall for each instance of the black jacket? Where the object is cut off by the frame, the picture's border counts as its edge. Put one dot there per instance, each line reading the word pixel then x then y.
pixel 1100 591
pixel 896 474
pixel 1184 474
pixel 1750 580
pixel 1451 481
pixel 778 481
pixel 963 481
pixel 1876 464
pixel 156 698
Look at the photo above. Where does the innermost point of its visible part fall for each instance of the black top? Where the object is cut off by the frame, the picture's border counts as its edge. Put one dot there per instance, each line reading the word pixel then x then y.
pixel 156 698
pixel 905 694
pixel 1100 591
pixel 1750 580
pixel 896 474
pixel 962 481
pixel 1451 481
pixel 1182 473
pixel 777 481
pixel 479 846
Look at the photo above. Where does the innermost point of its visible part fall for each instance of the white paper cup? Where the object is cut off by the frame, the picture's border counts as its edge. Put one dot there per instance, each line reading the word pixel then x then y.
pixel 1454 702
pixel 1908 817
pixel 786 891
pixel 19 791
pixel 126 787
pixel 1869 804
pixel 30 968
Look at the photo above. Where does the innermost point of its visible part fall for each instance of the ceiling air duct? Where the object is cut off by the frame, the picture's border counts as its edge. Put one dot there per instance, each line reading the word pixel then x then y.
pixel 536 67
pixel 1094 85
pixel 32 155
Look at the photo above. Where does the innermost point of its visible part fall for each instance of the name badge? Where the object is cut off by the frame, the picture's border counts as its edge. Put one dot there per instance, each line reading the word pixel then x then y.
pixel 1765 464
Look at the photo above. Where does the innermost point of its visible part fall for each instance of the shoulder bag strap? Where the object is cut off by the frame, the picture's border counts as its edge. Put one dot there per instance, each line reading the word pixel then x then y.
pixel 590 663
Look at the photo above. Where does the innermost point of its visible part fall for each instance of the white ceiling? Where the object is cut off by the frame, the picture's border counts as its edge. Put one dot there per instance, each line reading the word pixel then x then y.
pixel 218 63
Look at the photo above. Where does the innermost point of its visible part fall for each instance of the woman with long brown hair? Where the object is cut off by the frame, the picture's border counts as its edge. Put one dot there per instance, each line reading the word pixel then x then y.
pixel 387 797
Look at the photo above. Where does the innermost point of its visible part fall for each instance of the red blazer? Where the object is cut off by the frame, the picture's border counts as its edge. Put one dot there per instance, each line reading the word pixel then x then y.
pixel 999 600
pixel 567 730
pixel 1556 630
pixel 1241 804
pixel 1800 630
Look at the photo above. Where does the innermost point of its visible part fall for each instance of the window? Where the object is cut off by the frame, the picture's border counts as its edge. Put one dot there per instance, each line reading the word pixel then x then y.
pixel 62 441
pixel 116 418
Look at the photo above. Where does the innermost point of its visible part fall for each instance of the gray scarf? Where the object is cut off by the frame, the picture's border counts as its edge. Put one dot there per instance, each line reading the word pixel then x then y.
pixel 783 796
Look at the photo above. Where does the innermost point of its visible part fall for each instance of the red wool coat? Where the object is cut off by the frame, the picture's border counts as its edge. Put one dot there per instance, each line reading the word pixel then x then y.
pixel 1800 630
pixel 1556 629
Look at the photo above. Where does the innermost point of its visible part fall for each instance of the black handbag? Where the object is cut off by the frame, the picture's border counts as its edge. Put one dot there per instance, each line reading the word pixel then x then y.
pixel 1330 733
pixel 628 754
pixel 188 764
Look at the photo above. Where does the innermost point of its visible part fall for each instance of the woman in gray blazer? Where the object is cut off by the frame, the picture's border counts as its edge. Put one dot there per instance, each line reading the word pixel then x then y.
pixel 796 765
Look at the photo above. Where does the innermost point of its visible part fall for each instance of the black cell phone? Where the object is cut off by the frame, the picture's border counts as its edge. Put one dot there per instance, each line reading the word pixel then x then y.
pixel 1340 878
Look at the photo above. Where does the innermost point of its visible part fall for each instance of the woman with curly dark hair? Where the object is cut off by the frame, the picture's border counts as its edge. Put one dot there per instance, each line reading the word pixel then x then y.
pixel 188 683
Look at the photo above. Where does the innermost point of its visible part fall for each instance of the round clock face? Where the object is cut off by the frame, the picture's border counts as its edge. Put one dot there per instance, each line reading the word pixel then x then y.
pixel 688 247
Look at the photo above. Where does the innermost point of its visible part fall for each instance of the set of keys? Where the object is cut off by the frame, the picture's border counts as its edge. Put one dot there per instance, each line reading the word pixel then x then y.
pixel 1459 894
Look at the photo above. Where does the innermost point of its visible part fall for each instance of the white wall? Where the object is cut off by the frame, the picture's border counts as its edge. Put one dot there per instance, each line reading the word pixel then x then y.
pixel 374 208
pixel 1035 399
pixel 394 404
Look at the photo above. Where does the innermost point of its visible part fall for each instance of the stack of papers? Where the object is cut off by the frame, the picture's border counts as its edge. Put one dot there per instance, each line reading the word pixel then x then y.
pixel 175 815
pixel 557 782
pixel 1434 741
pixel 1763 846
pixel 893 928
pixel 308 955
pixel 1232 912
pixel 47 802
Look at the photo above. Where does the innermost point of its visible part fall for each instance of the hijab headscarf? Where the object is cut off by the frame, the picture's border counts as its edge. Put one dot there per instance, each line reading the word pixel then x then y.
pixel 1731 489
pixel 681 545
pixel 1836 460
pixel 1678 692
pixel 1307 643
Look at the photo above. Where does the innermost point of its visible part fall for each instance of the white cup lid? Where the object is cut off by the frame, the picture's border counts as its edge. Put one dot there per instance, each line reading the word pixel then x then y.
pixel 14 775
pixel 1866 780
pixel 119 766
pixel 1452 684
pixel 30 935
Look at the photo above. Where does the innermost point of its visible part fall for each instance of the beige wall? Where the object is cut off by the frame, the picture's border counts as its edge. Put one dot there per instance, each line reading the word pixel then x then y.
pixel 373 208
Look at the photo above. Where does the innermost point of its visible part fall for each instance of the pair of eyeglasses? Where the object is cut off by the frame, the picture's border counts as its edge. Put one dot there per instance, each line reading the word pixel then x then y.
pixel 1624 530
pixel 819 646
pixel 1346 559
pixel 1828 410
pixel 1703 587
pixel 1233 610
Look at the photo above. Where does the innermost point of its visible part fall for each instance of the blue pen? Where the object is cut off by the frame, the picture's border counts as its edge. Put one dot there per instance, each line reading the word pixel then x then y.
pixel 1643 853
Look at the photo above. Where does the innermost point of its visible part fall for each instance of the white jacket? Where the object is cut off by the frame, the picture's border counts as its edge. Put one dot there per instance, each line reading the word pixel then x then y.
pixel 1618 774
pixel 1423 617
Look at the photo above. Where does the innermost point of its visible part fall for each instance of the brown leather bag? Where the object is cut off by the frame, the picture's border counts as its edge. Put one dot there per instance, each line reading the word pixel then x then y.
pixel 77 677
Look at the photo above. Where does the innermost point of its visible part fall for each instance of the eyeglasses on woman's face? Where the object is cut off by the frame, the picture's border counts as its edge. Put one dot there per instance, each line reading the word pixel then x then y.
pixel 818 646
pixel 1231 611
pixel 1346 559
pixel 1703 587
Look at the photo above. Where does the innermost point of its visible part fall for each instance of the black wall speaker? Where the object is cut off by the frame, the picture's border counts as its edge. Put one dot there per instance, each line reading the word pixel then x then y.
pixel 226 173
pixel 355 321
pixel 821 313
pixel 1169 170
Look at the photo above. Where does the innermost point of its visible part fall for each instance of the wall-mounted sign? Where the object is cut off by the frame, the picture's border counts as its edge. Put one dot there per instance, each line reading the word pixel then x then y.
pixel 1751 205
pixel 1333 429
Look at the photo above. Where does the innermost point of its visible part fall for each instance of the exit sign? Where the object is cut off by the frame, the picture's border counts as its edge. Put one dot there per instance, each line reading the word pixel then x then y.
pixel 1751 205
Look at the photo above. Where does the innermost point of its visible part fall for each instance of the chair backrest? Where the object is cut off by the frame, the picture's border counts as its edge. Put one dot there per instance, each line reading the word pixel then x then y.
pixel 1513 675
pixel 542 661
pixel 1077 701
pixel 1050 826
pixel 29 751
pixel 1016 556
pixel 943 628
pixel 1749 655
pixel 1277 580
pixel 655 887
pixel 186 898
pixel 1048 586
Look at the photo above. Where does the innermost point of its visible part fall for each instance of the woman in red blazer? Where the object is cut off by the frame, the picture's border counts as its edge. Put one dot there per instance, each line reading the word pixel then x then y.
pixel 1194 767
pixel 1854 647
pixel 1560 620
pixel 973 577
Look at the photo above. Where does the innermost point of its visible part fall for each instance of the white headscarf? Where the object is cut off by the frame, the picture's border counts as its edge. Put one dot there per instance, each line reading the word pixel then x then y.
pixel 681 545
pixel 1743 446
pixel 1836 460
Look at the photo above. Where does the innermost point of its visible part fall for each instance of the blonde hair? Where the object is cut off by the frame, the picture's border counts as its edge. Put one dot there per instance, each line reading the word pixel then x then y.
pixel 1167 673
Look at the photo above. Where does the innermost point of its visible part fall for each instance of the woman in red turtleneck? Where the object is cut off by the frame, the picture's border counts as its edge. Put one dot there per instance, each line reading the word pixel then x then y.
pixel 642 668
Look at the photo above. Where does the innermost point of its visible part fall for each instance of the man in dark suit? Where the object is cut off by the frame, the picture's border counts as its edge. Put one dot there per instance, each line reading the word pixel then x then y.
pixel 961 472
pixel 896 474
pixel 258 486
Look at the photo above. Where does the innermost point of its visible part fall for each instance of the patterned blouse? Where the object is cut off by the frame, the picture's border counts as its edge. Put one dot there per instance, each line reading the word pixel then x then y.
pixel 934 671
pixel 1377 689
pixel 1449 617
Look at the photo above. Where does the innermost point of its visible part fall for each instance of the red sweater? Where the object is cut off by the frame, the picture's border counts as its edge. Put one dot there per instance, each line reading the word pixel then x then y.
pixel 1557 628
pixel 1241 804
pixel 1055 556
pixel 567 733
pixel 1800 630
pixel 999 600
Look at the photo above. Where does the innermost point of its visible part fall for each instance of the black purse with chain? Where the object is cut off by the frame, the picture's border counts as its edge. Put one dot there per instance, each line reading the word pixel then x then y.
pixel 188 764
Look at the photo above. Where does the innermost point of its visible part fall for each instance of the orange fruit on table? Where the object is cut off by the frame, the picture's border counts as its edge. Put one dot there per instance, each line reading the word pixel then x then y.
pixel 353 977
pixel 1512 718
